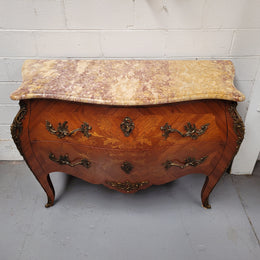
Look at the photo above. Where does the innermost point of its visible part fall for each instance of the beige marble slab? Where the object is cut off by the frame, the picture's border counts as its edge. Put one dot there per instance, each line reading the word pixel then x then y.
pixel 128 82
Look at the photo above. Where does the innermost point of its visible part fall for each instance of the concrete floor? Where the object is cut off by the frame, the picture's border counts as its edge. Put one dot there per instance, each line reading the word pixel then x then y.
pixel 92 222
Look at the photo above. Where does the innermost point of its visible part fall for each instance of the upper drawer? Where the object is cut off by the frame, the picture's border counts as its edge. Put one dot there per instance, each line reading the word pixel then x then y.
pixel 128 127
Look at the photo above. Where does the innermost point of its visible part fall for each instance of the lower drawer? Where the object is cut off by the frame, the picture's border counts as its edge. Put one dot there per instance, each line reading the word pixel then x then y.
pixel 127 171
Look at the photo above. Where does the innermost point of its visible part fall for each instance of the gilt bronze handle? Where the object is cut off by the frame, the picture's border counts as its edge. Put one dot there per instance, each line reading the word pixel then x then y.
pixel 191 130
pixel 188 162
pixel 63 130
pixel 64 160
pixel 127 126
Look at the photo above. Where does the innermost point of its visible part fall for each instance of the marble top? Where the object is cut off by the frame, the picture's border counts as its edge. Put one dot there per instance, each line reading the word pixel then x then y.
pixel 128 82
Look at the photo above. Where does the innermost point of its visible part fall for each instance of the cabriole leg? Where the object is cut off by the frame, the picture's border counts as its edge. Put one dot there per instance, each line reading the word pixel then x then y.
pixel 46 184
pixel 207 188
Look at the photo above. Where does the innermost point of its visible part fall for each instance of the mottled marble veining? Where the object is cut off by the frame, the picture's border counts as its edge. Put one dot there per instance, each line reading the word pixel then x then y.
pixel 128 82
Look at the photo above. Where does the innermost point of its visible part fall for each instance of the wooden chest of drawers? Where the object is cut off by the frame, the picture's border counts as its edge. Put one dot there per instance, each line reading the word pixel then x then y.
pixel 126 147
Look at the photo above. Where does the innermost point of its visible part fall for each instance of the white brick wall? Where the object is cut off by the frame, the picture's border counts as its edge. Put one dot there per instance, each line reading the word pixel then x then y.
pixel 164 29
pixel 168 14
pixel 235 14
pixel 99 15
pixel 144 43
pixel 198 43
pixel 32 14
pixel 73 43
pixel 246 43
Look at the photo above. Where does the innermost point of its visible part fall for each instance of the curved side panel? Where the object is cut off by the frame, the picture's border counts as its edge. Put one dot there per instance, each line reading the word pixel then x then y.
pixel 235 137
pixel 19 131
pixel 238 125
pixel 17 125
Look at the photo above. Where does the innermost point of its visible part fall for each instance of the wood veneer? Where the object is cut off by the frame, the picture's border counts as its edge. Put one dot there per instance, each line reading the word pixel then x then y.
pixel 146 149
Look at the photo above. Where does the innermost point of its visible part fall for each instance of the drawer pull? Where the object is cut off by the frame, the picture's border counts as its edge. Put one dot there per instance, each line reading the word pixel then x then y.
pixel 188 162
pixel 127 186
pixel 64 160
pixel 63 130
pixel 127 167
pixel 191 130
pixel 127 126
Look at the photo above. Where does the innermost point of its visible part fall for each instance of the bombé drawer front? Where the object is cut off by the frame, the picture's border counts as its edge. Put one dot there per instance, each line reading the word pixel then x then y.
pixel 120 169
pixel 127 128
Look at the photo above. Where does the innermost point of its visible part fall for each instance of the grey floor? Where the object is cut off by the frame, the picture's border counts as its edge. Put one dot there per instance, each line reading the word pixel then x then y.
pixel 93 222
